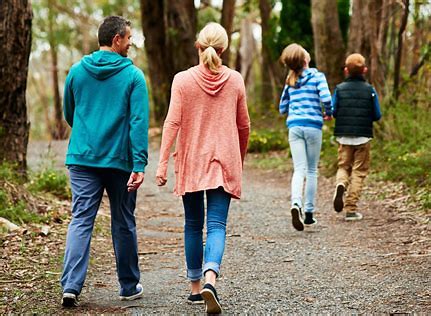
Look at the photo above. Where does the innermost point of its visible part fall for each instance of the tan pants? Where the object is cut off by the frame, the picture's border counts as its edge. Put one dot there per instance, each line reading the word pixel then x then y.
pixel 353 167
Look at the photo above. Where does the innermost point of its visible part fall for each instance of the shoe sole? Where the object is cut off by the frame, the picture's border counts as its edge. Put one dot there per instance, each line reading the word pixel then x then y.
pixel 133 297
pixel 195 302
pixel 213 306
pixel 353 219
pixel 338 199
pixel 310 225
pixel 69 301
pixel 296 219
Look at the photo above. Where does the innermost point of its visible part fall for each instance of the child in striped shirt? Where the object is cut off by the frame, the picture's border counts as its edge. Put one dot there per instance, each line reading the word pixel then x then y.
pixel 305 92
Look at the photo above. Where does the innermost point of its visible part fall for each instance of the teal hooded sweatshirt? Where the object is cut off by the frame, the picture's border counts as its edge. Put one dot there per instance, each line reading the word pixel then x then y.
pixel 106 104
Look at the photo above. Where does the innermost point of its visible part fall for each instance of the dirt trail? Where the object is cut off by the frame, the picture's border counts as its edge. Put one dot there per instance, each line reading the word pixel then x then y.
pixel 380 264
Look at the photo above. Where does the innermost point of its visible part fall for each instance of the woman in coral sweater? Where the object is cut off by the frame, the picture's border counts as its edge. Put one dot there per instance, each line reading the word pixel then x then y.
pixel 209 120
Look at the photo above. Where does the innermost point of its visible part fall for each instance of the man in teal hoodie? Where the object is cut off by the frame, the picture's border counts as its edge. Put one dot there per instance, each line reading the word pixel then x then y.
pixel 106 104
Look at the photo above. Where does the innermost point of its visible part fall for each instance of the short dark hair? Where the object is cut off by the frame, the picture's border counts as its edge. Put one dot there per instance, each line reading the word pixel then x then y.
pixel 111 26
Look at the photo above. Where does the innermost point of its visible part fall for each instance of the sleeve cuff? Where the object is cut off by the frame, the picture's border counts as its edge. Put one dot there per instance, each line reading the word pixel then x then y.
pixel 139 166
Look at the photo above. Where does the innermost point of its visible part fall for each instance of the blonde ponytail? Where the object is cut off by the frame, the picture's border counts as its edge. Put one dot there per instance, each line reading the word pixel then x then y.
pixel 211 42
pixel 294 56
pixel 211 59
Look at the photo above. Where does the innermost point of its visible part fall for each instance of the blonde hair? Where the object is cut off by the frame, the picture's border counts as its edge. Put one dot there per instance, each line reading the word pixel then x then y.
pixel 294 56
pixel 212 41
pixel 355 64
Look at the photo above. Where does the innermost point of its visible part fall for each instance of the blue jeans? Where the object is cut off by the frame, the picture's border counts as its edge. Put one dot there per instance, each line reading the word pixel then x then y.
pixel 218 202
pixel 88 185
pixel 305 144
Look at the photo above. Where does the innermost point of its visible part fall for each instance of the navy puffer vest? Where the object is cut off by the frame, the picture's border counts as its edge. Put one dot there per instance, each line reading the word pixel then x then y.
pixel 355 108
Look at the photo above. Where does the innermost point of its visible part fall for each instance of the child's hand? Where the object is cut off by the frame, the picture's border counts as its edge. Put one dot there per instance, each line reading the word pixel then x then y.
pixel 327 118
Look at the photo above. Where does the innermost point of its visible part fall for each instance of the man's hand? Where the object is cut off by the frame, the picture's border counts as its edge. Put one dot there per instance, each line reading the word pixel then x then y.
pixel 135 180
pixel 161 181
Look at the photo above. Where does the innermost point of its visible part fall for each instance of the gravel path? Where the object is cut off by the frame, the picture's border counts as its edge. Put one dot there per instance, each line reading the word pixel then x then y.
pixel 380 264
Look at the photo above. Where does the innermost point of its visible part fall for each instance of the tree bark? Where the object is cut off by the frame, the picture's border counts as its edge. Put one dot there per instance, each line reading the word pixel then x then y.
pixel 227 15
pixel 169 30
pixel 152 14
pixel 398 56
pixel 59 130
pixel 15 39
pixel 181 20
pixel 270 75
pixel 359 30
pixel 328 42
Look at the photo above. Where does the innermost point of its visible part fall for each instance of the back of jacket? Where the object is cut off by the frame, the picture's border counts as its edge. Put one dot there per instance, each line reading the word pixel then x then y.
pixel 106 104
pixel 354 108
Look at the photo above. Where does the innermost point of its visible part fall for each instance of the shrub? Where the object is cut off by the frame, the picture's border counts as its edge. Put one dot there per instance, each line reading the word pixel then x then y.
pixel 52 181
pixel 265 140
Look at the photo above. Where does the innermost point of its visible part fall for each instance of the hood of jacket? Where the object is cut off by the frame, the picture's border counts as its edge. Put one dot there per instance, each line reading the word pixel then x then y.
pixel 209 82
pixel 104 64
pixel 305 76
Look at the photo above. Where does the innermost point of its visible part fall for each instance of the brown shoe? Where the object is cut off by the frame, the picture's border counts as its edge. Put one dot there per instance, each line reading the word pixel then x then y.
pixel 338 197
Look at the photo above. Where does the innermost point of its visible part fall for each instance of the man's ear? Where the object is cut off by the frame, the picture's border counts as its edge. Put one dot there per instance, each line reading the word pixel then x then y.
pixel 116 39
pixel 365 70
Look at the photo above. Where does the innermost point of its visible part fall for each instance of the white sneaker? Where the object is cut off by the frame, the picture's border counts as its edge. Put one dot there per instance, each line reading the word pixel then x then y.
pixel 138 294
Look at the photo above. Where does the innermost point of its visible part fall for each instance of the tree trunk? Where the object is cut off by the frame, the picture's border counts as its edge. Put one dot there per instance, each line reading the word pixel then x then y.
pixel 398 56
pixel 181 20
pixel 227 15
pixel 169 30
pixel 268 77
pixel 60 130
pixel 15 39
pixel 247 50
pixel 328 42
pixel 359 30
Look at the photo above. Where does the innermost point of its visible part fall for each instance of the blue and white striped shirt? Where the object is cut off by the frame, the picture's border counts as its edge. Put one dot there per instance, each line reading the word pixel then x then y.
pixel 303 103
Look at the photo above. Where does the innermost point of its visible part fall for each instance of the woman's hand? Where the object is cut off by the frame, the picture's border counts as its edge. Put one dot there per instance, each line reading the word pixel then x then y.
pixel 327 118
pixel 161 181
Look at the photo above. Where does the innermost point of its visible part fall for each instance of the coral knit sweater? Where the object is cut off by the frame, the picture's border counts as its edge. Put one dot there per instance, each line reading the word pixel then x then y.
pixel 209 120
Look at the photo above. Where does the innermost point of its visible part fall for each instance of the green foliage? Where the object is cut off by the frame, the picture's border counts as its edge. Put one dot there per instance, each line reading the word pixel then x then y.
pixel 295 25
pixel 7 172
pixel 207 15
pixel 344 17
pixel 52 181
pixel 17 212
pixel 403 151
pixel 266 140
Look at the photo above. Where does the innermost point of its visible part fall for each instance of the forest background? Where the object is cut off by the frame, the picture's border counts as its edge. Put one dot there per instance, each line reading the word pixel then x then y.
pixel 41 39
pixel 393 35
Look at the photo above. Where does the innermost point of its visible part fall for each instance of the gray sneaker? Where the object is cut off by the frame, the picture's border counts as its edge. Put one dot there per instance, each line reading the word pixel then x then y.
pixel 139 293
pixel 353 216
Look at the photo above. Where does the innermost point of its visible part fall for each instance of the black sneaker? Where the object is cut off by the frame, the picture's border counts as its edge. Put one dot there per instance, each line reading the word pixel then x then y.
pixel 195 299
pixel 209 294
pixel 338 198
pixel 69 299
pixel 297 217
pixel 309 219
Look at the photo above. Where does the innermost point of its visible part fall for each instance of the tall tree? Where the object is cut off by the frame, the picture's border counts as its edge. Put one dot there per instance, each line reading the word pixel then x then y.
pixel 15 32
pixel 328 42
pixel 272 72
pixel 59 129
pixel 397 67
pixel 170 31
pixel 227 15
